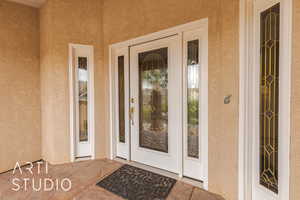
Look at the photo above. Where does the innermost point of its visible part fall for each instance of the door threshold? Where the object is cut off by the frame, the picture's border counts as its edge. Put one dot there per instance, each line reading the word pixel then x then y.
pixel 162 172
pixel 84 158
pixel 193 182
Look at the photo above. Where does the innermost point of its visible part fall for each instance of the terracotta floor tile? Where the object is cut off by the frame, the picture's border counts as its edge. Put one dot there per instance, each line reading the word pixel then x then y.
pixel 202 194
pixel 40 196
pixel 180 191
pixel 96 193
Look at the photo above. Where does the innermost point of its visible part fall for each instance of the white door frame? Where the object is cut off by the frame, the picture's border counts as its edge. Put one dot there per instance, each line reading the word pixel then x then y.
pixel 190 164
pixel 201 24
pixel 122 148
pixel 247 56
pixel 72 103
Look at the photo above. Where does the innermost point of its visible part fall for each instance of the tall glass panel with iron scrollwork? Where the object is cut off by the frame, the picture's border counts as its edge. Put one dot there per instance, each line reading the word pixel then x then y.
pixel 269 97
pixel 121 88
pixel 193 86
pixel 83 98
pixel 153 99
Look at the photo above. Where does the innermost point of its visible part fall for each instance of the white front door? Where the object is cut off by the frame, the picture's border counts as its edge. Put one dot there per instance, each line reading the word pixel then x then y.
pixel 155 103
pixel 270 155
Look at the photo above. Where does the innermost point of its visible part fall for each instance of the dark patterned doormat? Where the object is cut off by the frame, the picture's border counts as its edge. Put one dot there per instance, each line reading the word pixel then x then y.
pixel 137 184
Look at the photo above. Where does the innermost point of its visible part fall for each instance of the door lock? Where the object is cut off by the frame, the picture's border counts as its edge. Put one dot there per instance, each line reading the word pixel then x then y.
pixel 131 114
pixel 132 100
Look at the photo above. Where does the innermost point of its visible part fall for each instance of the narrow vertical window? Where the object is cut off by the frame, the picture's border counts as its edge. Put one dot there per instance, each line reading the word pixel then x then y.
pixel 269 97
pixel 121 83
pixel 193 98
pixel 83 98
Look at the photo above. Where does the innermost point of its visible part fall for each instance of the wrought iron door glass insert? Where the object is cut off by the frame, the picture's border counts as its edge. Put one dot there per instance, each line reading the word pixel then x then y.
pixel 153 99
pixel 83 98
pixel 121 87
pixel 193 70
pixel 269 97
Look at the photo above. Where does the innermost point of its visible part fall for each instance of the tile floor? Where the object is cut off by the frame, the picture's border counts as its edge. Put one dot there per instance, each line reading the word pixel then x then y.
pixel 83 175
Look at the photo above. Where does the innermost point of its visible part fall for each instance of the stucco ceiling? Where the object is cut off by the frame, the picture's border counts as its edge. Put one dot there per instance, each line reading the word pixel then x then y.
pixel 34 3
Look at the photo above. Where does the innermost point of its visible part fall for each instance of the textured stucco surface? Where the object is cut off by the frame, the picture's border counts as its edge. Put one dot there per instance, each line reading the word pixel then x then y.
pixel 82 25
pixel 20 85
pixel 129 19
pixel 295 103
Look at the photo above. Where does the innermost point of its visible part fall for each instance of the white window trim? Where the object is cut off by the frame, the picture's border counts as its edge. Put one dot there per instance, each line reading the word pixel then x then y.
pixel 246 62
pixel 91 108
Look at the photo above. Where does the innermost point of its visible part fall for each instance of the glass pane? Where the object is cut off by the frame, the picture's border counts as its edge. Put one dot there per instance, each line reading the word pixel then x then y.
pixel 153 95
pixel 83 98
pixel 269 97
pixel 121 84
pixel 193 98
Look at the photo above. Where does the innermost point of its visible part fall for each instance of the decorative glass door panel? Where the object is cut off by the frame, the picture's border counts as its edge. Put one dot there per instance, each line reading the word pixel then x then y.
pixel 153 99
pixel 267 118
pixel 269 97
pixel 83 98
pixel 193 75
pixel 121 93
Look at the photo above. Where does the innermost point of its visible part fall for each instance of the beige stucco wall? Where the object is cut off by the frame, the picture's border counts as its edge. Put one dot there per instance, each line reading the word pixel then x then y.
pixel 295 109
pixel 20 85
pixel 128 19
pixel 82 25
